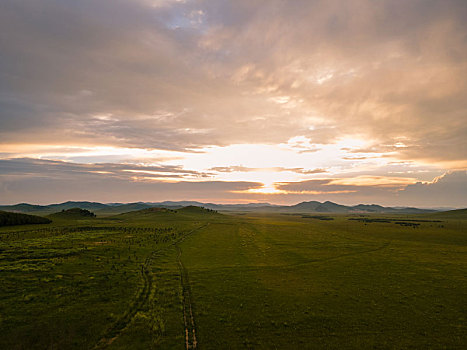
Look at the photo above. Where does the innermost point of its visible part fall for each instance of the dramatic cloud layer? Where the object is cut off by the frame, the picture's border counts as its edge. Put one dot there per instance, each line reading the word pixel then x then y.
pixel 309 92
pixel 450 188
pixel 49 181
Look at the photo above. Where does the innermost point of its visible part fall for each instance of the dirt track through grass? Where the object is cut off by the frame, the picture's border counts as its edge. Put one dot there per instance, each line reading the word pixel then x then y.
pixel 141 298
pixel 188 318
pixel 143 294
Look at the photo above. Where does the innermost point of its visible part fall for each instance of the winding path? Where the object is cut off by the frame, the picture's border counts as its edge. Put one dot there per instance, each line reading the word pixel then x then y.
pixel 141 298
pixel 143 294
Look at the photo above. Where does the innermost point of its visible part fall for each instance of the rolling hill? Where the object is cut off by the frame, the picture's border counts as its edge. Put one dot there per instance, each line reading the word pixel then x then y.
pixel 304 207
pixel 73 214
pixel 164 213
pixel 11 219
pixel 457 214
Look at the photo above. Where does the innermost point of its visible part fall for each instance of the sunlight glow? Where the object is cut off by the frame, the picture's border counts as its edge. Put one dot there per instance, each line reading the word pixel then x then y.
pixel 298 159
pixel 374 181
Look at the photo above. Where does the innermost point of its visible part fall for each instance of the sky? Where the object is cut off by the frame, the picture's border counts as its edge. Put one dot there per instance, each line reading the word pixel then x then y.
pixel 356 101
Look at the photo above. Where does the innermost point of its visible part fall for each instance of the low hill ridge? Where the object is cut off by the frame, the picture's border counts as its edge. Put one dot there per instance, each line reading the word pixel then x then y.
pixel 73 213
pixel 460 214
pixel 11 219
pixel 196 209
pixel 303 207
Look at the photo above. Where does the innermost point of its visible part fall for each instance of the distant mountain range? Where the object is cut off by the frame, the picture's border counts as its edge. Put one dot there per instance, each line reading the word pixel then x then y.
pixel 303 207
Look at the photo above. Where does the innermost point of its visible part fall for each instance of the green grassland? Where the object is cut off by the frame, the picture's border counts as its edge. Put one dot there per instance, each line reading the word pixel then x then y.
pixel 172 279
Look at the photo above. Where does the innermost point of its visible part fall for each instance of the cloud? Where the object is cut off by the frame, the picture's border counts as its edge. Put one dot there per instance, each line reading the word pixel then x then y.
pixel 183 75
pixel 329 186
pixel 380 81
pixel 231 169
pixel 46 181
pixel 449 189
pixel 39 181
pixel 59 169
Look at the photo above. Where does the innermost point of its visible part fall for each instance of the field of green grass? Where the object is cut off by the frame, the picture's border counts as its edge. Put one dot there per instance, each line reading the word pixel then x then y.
pixel 163 279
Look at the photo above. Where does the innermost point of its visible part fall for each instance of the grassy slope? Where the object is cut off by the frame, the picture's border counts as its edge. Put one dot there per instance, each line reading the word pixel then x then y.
pixel 459 214
pixel 13 219
pixel 259 281
pixel 72 214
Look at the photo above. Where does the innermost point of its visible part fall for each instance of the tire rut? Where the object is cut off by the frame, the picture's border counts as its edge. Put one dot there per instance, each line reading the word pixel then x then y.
pixel 142 297
pixel 188 318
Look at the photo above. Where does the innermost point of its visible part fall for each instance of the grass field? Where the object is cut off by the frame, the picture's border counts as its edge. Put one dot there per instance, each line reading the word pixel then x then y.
pixel 170 280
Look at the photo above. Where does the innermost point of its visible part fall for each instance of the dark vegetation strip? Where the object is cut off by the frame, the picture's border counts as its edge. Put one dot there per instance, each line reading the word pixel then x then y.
pixel 318 217
pixel 46 255
pixel 58 231
pixel 388 220
pixel 12 219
